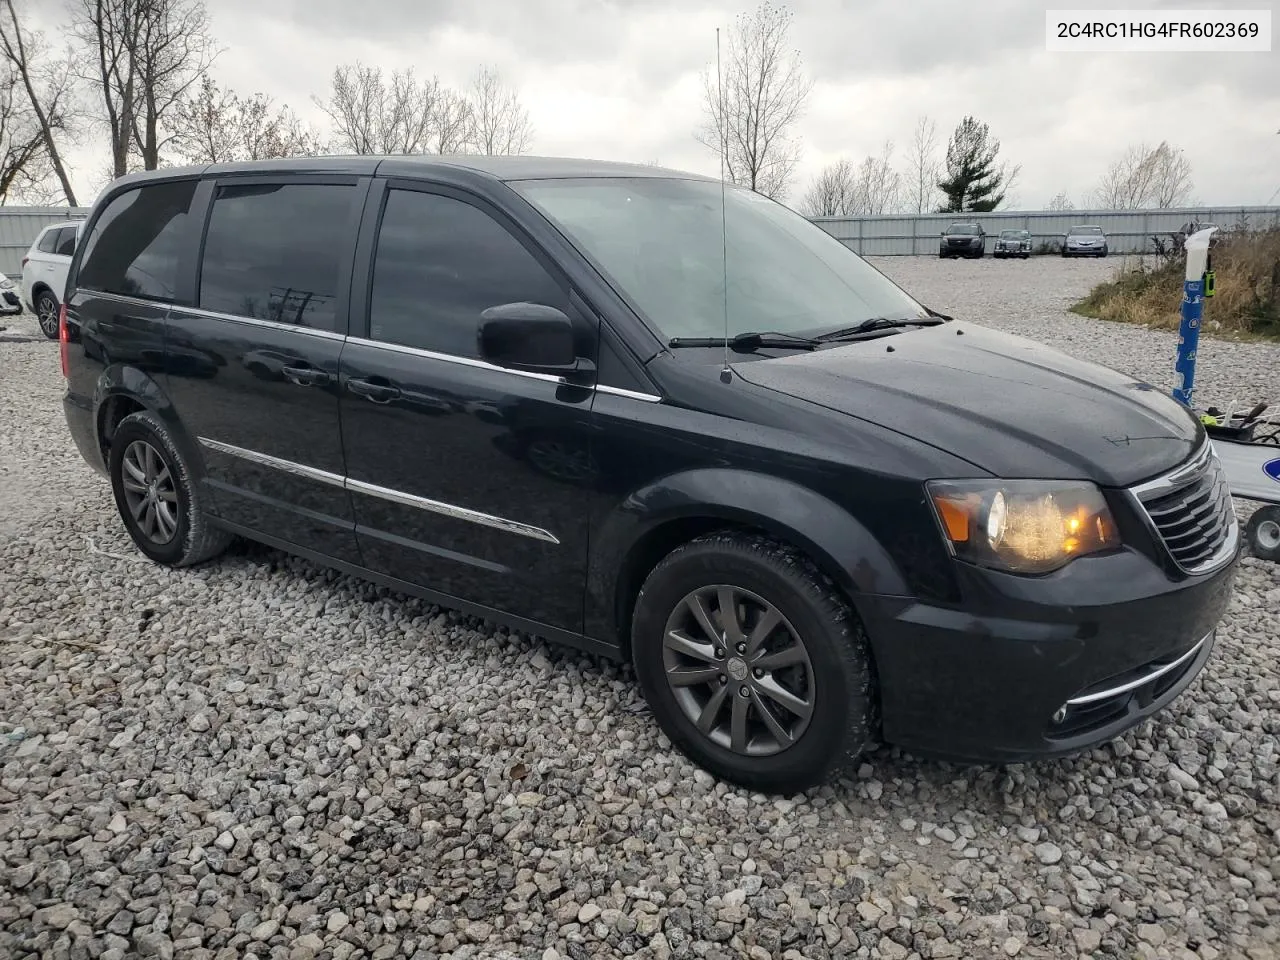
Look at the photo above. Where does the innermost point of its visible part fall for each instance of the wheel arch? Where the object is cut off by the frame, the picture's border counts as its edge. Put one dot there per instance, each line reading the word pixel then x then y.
pixel 123 389
pixel 656 519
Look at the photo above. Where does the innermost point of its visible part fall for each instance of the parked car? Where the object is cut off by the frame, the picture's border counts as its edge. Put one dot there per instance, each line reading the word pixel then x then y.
pixel 1013 243
pixel 9 302
pixel 506 389
pixel 1084 241
pixel 963 240
pixel 44 272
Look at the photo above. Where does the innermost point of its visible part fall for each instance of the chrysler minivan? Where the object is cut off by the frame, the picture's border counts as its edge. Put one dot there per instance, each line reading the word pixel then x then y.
pixel 630 410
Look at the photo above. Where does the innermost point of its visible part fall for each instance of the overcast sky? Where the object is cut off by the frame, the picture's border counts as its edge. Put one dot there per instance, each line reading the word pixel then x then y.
pixel 620 79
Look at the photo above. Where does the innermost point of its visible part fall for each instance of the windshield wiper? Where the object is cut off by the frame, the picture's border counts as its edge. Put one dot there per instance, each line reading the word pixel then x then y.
pixel 881 323
pixel 752 340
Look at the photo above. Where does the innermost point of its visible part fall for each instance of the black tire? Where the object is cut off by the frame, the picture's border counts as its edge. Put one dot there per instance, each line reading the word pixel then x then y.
pixel 191 539
pixel 839 681
pixel 1263 533
pixel 47 314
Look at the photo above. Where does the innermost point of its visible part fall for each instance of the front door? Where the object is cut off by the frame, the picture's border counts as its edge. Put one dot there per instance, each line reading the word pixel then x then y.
pixel 253 367
pixel 467 479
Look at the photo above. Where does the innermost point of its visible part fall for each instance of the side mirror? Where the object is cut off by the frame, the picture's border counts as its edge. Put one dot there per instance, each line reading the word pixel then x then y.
pixel 529 336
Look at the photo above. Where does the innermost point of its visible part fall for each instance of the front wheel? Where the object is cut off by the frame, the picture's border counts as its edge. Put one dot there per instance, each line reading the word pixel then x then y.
pixel 47 314
pixel 753 663
pixel 160 506
pixel 1263 533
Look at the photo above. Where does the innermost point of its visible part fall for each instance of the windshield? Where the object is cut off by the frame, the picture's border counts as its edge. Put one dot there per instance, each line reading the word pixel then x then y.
pixel 1013 234
pixel 660 242
pixel 963 229
pixel 1086 231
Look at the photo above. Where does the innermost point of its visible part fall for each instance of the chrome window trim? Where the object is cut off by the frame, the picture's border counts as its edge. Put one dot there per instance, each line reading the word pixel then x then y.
pixel 125 298
pixel 1181 476
pixel 1140 681
pixel 384 493
pixel 266 460
pixel 463 361
pixel 255 321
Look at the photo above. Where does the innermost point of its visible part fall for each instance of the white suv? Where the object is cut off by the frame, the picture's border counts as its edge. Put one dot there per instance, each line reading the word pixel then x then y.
pixel 44 272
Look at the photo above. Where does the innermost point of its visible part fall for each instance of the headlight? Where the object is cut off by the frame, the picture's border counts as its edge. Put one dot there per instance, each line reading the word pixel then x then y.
pixel 1023 526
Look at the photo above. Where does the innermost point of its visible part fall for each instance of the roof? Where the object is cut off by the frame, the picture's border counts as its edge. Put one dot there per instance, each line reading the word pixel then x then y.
pixel 497 168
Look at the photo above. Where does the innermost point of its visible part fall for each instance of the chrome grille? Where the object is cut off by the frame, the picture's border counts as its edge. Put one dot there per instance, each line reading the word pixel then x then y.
pixel 1191 511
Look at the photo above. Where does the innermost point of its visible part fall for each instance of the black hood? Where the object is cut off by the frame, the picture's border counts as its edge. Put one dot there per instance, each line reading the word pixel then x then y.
pixel 1007 404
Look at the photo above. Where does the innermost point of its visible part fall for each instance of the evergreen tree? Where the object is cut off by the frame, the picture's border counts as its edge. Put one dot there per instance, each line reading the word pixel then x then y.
pixel 973 182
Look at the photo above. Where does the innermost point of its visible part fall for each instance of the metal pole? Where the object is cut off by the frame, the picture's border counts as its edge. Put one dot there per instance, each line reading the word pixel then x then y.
pixel 1197 247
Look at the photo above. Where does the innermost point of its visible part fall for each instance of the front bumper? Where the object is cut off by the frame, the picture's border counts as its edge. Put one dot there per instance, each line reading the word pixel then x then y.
pixel 1110 638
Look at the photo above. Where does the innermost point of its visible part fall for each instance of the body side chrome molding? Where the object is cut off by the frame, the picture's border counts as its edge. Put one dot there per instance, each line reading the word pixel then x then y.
pixel 266 460
pixel 383 493
pixel 1154 674
pixel 450 510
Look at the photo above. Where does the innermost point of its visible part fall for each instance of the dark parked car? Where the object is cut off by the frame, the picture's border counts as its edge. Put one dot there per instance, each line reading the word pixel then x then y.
pixel 1013 243
pixel 963 240
pixel 1084 241
pixel 504 386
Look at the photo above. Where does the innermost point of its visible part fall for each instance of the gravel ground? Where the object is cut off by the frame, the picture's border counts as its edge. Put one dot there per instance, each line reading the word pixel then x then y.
pixel 262 758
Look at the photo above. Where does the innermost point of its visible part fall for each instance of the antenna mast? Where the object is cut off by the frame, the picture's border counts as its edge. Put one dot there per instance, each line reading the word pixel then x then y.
pixel 726 374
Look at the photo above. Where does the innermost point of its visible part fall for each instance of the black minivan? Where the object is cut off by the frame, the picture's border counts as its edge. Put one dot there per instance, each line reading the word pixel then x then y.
pixel 504 384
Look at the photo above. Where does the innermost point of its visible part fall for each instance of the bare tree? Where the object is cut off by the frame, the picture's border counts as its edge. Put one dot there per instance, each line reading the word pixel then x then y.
pixel 1145 177
pixel 212 125
pixel 21 141
pixel 1061 201
pixel 752 109
pixel 831 194
pixel 46 86
pixel 923 167
pixel 372 115
pixel 500 123
pixel 146 56
pixel 877 186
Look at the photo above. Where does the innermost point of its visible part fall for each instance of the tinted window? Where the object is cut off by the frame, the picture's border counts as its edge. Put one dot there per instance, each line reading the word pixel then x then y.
pixel 272 252
pixel 48 240
pixel 135 244
pixel 440 263
pixel 66 242
pixel 963 229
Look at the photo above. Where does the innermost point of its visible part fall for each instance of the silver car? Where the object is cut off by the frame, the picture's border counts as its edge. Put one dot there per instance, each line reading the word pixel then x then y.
pixel 1084 241
pixel 1013 243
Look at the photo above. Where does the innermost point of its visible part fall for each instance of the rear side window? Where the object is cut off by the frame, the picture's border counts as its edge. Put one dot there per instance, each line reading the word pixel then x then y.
pixel 272 251
pixel 135 244
pixel 48 240
pixel 66 242
pixel 441 263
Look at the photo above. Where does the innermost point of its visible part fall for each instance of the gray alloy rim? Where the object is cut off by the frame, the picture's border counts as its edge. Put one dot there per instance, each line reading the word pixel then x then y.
pixel 47 314
pixel 1268 534
pixel 149 492
pixel 738 670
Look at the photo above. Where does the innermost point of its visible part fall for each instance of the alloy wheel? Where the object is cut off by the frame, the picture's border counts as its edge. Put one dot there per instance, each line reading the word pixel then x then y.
pixel 47 315
pixel 150 492
pixel 738 670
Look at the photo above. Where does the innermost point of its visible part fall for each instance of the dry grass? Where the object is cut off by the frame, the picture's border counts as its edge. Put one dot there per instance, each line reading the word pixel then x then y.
pixel 1246 302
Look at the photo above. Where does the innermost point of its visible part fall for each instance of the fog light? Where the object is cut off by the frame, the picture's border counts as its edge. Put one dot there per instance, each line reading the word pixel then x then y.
pixel 1061 714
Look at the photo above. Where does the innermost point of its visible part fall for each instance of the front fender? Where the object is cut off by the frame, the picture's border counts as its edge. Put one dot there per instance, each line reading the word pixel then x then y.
pixel 831 536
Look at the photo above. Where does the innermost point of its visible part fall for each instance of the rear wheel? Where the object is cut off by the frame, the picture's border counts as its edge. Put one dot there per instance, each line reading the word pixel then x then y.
pixel 159 504
pixel 1263 533
pixel 753 663
pixel 47 314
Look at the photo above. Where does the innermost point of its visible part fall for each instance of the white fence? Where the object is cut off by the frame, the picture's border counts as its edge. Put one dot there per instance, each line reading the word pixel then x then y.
pixel 1128 231
pixel 20 225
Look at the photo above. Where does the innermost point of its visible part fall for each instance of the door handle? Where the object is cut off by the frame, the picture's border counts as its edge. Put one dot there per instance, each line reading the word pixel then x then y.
pixel 383 392
pixel 305 376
